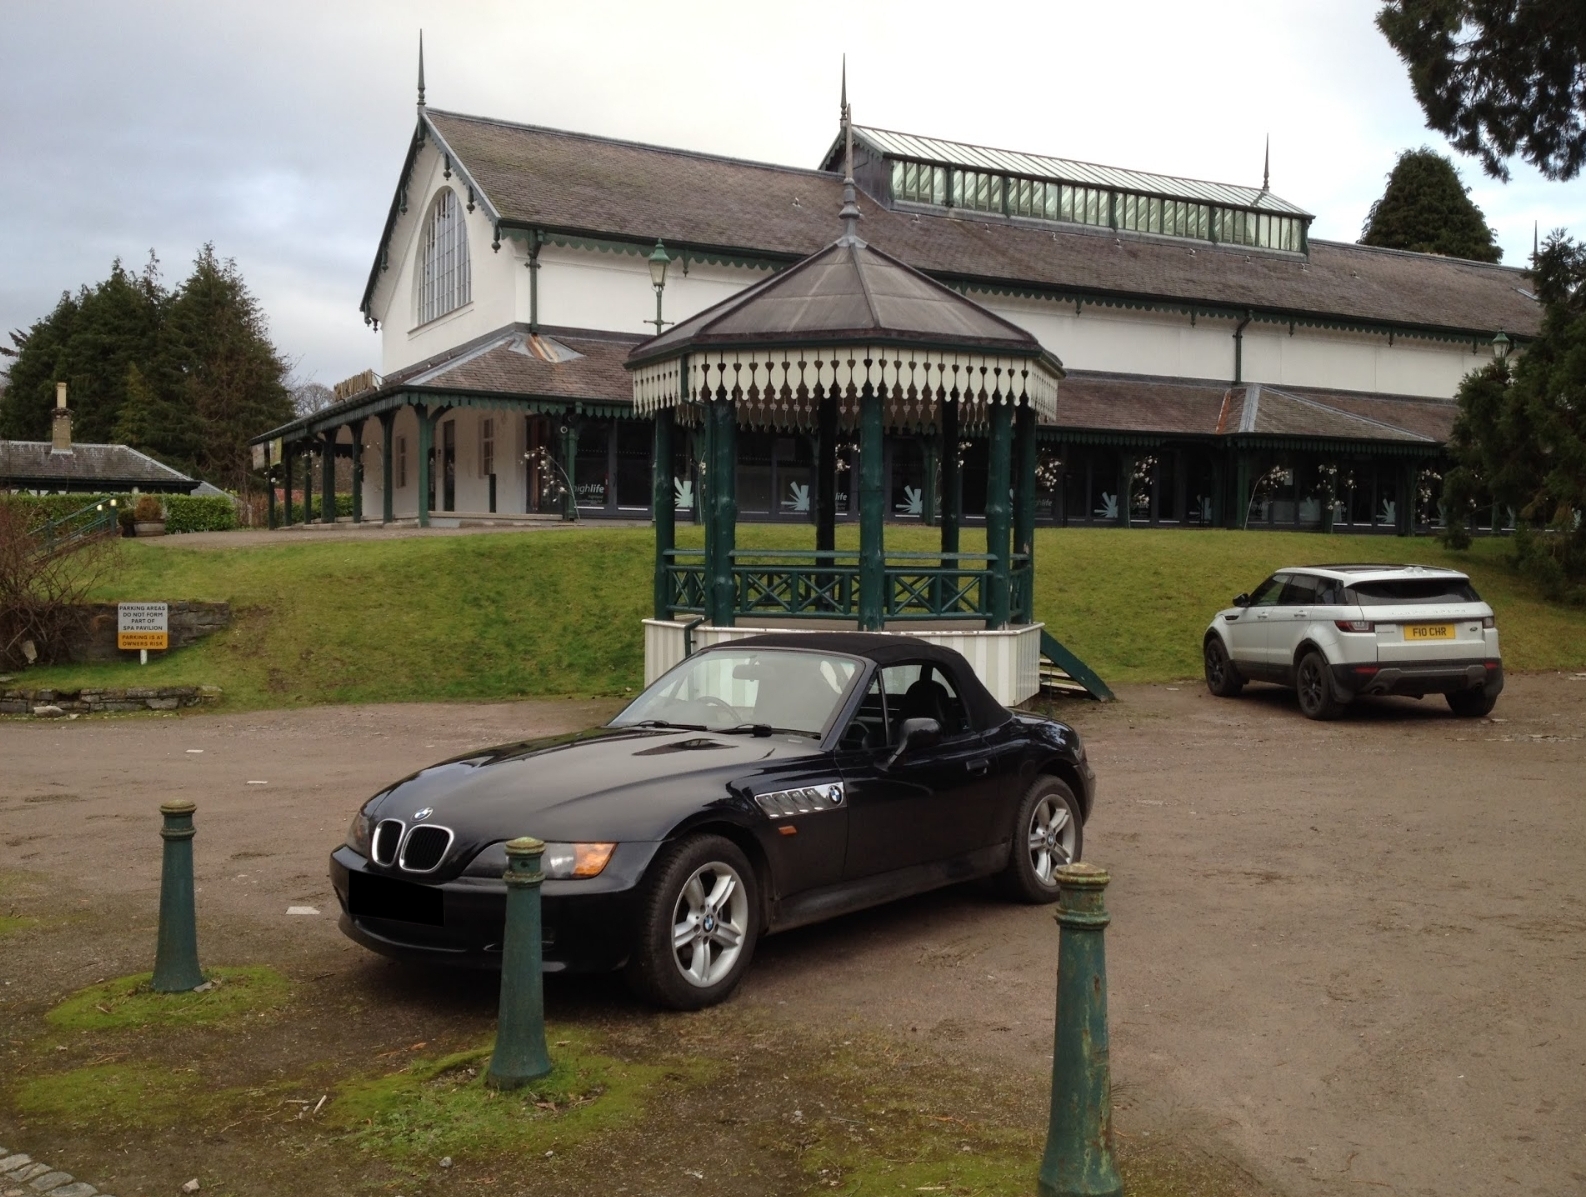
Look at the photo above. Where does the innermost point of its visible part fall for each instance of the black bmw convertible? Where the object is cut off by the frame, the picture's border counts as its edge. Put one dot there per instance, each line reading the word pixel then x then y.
pixel 761 784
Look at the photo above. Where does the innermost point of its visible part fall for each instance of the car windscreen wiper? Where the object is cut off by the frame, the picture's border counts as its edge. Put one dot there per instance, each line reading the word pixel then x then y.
pixel 765 729
pixel 666 723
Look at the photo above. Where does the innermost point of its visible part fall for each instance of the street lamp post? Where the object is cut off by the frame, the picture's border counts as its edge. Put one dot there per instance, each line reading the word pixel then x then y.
pixel 659 260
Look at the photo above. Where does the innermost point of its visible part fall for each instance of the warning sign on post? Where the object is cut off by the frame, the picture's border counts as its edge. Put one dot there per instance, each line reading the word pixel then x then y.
pixel 143 625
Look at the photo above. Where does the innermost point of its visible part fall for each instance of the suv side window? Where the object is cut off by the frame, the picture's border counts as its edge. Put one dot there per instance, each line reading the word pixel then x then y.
pixel 1329 592
pixel 1268 593
pixel 920 690
pixel 1300 591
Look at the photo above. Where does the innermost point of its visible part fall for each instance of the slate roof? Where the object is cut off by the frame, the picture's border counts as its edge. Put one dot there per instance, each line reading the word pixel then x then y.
pixel 552 364
pixel 847 292
pixel 576 184
pixel 1190 407
pixel 113 467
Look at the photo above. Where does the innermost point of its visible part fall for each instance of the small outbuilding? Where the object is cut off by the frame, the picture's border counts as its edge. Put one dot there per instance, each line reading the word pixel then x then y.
pixel 58 465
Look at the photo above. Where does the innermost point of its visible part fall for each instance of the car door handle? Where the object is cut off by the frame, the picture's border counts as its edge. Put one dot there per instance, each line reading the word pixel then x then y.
pixel 1301 614
pixel 979 765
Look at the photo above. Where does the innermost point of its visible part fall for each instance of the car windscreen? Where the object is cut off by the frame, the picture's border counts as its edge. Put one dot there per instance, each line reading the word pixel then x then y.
pixel 1398 592
pixel 785 689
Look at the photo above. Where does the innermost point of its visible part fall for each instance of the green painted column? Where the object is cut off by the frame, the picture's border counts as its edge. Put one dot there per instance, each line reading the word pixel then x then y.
pixel 1024 506
pixel 1125 488
pixel 665 511
pixel 176 952
pixel 286 470
pixel 826 476
pixel 426 443
pixel 519 1055
pixel 1406 506
pixel 269 482
pixel 872 515
pixel 1241 512
pixel 928 499
pixel 356 427
pixel 327 465
pixel 569 467
pixel 308 481
pixel 1078 1160
pixel 724 502
pixel 387 474
pixel 952 495
pixel 998 529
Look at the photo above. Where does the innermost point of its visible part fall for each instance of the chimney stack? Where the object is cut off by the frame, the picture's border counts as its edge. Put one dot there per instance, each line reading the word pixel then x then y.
pixel 62 431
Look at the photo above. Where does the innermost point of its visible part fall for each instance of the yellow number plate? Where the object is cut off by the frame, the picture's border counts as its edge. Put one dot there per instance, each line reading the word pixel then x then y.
pixel 1429 631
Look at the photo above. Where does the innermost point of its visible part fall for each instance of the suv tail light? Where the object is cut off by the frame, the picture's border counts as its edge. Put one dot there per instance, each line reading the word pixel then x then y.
pixel 1489 622
pixel 1354 625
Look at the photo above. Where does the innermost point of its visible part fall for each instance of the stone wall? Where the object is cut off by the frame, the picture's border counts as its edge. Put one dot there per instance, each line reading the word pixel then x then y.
pixel 189 622
pixel 56 703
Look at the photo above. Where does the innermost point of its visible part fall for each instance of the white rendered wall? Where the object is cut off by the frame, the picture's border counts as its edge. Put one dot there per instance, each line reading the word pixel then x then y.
pixel 492 305
pixel 581 288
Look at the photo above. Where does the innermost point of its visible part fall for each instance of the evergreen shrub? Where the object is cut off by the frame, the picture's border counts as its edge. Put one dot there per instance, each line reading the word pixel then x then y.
pixel 199 513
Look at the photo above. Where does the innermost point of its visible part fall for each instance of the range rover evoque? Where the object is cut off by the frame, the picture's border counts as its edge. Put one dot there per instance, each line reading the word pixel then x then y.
pixel 1333 633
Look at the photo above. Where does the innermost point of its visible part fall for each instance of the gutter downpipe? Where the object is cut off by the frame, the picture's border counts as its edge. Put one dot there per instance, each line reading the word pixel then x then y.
pixel 1239 349
pixel 535 239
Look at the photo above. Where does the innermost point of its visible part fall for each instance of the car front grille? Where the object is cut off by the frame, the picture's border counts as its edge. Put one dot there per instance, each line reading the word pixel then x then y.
pixel 387 837
pixel 425 848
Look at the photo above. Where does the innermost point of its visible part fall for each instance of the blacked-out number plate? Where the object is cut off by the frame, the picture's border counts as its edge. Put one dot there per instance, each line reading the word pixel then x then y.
pixel 387 898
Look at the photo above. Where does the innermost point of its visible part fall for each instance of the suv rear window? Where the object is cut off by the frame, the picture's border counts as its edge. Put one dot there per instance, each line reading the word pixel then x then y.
pixel 1402 591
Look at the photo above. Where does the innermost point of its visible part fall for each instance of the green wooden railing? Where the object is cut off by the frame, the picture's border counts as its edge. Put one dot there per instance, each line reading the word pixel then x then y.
pixel 96 519
pixel 804 583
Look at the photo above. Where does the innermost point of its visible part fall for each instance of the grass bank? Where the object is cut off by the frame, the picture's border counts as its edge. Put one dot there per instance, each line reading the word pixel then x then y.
pixel 558 612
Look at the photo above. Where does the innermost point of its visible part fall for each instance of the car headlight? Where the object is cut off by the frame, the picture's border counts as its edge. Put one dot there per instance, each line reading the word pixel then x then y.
pixel 358 834
pixel 560 862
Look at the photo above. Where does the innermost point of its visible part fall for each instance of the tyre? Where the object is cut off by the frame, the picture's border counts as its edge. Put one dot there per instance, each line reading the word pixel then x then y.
pixel 1047 834
pixel 1222 679
pixel 1313 682
pixel 1471 704
pixel 698 921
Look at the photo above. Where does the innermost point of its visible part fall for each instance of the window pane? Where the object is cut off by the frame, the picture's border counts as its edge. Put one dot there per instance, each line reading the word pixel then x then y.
pixel 635 443
pixel 590 468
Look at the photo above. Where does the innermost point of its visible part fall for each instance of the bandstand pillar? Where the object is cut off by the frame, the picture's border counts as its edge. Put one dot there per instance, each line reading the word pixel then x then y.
pixel 327 469
pixel 1024 505
pixel 721 528
pixel 308 481
pixel 387 499
pixel 426 466
pixel 999 455
pixel 286 489
pixel 872 513
pixel 952 493
pixel 664 506
pixel 826 476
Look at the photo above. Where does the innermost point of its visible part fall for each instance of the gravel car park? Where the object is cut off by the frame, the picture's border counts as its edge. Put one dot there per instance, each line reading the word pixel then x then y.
pixel 1334 633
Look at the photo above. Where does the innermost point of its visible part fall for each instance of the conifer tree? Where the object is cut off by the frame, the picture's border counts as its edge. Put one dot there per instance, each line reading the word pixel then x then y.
pixel 156 425
pixel 1426 208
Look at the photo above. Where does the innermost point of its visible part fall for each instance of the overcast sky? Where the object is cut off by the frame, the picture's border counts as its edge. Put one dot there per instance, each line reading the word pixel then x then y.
pixel 277 130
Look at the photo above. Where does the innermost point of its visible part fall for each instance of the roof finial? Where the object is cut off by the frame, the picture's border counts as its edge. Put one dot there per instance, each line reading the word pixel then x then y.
pixel 849 212
pixel 421 68
pixel 1266 166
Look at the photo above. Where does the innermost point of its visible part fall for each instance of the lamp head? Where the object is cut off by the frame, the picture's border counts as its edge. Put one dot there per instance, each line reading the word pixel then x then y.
pixel 1501 346
pixel 659 260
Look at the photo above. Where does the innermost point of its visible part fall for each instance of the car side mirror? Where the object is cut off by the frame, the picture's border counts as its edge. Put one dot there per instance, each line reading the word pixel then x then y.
pixel 915 733
pixel 1241 600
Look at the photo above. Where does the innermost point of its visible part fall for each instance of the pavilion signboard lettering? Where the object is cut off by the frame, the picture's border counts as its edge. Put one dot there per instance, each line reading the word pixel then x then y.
pixel 142 626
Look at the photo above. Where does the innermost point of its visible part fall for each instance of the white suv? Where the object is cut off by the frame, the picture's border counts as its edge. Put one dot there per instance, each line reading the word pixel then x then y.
pixel 1336 631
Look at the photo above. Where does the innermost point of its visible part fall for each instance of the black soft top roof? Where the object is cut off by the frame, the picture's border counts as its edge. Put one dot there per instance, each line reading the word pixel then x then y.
pixel 884 649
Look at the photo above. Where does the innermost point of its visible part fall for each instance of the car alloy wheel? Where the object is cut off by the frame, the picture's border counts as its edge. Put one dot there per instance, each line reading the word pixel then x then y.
pixel 698 919
pixel 1047 834
pixel 710 922
pixel 1313 683
pixel 1221 677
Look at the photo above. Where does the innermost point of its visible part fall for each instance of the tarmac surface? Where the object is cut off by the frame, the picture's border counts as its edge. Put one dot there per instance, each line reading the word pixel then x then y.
pixel 1347 956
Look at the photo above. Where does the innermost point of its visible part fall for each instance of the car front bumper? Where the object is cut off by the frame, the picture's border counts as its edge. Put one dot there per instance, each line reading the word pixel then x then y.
pixel 1420 677
pixel 589 929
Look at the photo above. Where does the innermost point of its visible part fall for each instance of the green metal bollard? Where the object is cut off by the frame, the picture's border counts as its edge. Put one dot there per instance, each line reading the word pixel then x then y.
pixel 176 955
pixel 1078 1160
pixel 520 1054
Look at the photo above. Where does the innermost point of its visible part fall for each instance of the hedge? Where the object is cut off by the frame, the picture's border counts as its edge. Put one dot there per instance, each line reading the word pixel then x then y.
pixel 199 513
pixel 183 513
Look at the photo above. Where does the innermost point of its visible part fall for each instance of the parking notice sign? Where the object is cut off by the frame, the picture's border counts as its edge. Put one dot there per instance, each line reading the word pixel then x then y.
pixel 143 625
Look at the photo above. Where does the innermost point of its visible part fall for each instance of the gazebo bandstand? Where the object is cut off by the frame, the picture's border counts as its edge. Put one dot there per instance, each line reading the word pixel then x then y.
pixel 851 343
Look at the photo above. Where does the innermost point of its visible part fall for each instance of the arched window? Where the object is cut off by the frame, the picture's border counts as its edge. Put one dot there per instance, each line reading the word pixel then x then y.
pixel 443 281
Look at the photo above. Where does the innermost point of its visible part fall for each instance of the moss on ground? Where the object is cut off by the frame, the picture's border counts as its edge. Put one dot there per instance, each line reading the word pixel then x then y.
pixel 557 612
pixel 121 1094
pixel 10 924
pixel 129 1002
pixel 444 1107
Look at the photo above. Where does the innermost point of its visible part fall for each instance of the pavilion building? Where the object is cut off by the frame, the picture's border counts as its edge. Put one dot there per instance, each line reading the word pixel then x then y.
pixel 1222 367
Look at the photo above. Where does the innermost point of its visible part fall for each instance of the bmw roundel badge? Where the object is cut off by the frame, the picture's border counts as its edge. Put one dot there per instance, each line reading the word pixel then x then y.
pixel 420 815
